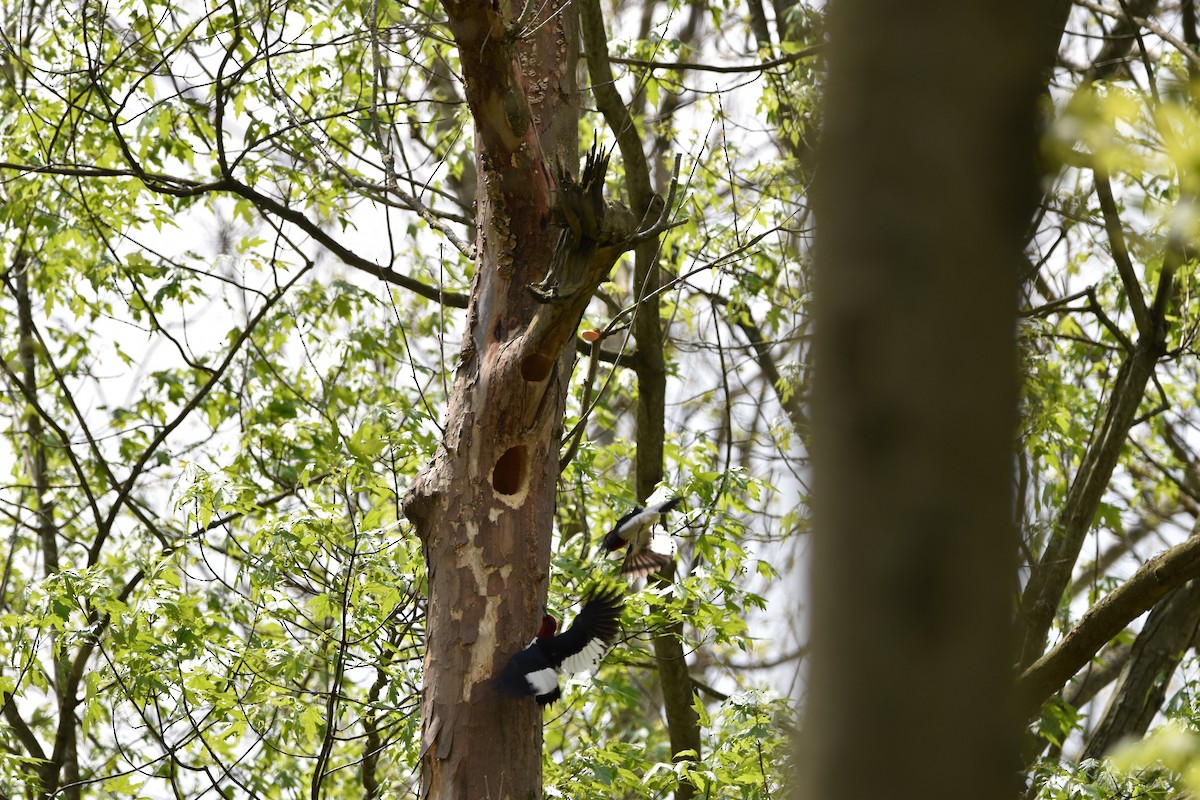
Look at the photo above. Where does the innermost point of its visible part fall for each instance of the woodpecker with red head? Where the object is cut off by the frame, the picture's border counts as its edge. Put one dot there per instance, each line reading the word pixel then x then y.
pixel 647 551
pixel 536 669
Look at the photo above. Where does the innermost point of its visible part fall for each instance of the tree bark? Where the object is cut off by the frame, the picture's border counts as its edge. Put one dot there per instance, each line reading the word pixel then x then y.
pixel 1105 619
pixel 484 507
pixel 1155 654
pixel 62 767
pixel 927 185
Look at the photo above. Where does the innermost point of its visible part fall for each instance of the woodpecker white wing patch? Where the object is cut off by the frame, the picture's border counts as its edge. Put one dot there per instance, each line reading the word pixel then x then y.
pixel 636 520
pixel 661 496
pixel 542 681
pixel 634 529
pixel 662 542
pixel 586 659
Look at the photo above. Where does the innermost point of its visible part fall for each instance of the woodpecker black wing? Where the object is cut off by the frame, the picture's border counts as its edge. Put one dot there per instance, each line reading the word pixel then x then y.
pixel 581 646
pixel 635 525
pixel 669 505
pixel 530 672
pixel 535 670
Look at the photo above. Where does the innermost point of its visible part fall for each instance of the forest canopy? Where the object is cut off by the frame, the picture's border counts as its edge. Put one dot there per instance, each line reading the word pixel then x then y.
pixel 239 244
pixel 335 336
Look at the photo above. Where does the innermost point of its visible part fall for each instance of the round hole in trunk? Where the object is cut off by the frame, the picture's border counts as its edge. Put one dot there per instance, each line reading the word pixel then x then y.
pixel 508 476
pixel 535 367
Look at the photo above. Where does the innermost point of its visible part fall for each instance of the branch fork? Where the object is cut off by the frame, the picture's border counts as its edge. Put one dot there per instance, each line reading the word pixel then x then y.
pixel 595 232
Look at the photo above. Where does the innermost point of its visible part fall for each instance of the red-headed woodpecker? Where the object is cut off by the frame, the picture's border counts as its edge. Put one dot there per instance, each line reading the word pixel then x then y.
pixel 634 531
pixel 535 669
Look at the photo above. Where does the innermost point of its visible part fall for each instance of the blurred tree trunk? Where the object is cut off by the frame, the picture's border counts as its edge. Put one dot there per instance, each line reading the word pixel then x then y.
pixel 928 183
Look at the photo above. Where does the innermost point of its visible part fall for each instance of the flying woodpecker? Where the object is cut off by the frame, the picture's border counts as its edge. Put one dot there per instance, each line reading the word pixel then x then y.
pixel 535 670
pixel 646 553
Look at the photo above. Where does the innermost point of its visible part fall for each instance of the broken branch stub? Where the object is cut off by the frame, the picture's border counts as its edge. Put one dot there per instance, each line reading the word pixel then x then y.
pixel 595 232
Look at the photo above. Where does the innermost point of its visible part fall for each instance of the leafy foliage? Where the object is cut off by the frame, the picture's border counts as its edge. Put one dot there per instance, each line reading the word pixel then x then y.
pixel 235 245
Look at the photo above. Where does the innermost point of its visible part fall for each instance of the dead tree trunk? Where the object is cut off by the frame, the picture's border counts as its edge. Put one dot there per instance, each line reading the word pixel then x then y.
pixel 484 507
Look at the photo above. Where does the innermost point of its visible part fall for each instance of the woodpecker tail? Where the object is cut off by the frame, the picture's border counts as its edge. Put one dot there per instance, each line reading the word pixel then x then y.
pixel 641 564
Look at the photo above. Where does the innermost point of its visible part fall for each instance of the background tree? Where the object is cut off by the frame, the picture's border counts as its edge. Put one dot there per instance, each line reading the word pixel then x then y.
pixel 253 261
pixel 916 394
pixel 1106 437
pixel 1120 346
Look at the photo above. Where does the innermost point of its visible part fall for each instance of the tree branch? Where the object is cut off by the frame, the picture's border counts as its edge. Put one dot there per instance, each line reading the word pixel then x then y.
pixel 1150 25
pixel 181 187
pixel 136 471
pixel 1104 620
pixel 678 692
pixel 1142 685
pixel 1050 577
pixel 269 204
pixel 807 52
pixel 1052 574
pixel 792 404
pixel 21 729
pixel 1120 253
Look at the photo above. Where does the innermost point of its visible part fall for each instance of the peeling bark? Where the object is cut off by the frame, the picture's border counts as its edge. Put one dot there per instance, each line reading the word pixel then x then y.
pixel 484 506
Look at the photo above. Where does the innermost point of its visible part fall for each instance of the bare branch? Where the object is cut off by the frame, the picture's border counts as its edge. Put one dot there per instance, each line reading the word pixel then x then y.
pixel 1116 240
pixel 782 61
pixel 1104 620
